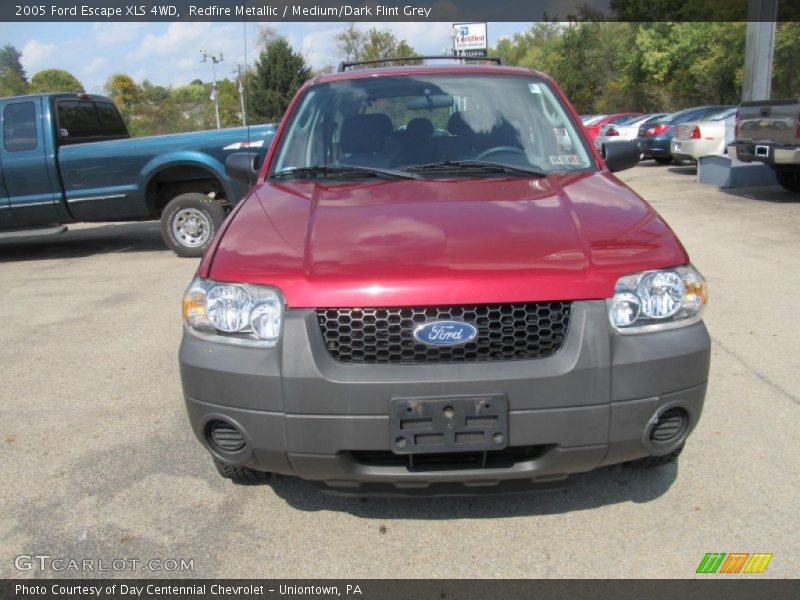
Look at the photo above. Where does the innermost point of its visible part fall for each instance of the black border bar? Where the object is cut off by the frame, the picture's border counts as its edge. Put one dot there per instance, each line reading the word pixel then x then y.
pixel 384 10
pixel 711 587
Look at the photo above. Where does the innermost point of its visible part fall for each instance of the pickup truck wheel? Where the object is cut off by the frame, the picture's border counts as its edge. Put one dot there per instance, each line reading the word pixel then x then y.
pixel 789 180
pixel 189 222
pixel 241 475
pixel 650 462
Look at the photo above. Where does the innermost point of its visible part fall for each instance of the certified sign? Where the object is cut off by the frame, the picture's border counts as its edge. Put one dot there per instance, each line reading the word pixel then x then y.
pixel 470 39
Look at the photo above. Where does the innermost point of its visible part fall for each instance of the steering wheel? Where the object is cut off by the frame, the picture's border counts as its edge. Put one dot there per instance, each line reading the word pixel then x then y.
pixel 500 149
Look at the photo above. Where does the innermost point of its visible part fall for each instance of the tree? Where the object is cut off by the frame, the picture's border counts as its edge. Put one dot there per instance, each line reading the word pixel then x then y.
pixel 350 43
pixel 279 72
pixel 354 44
pixel 55 80
pixel 786 73
pixel 655 66
pixel 266 35
pixel 13 79
pixel 122 89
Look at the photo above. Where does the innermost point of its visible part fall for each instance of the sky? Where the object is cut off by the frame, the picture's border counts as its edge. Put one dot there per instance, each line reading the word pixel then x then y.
pixel 169 53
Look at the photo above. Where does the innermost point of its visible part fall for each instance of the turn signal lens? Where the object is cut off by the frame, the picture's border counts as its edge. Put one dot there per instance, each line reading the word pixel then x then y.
pixel 194 306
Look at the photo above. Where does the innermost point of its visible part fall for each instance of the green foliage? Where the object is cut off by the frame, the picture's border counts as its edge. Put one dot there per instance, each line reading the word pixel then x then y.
pixel 122 89
pixel 614 66
pixel 354 44
pixel 155 110
pixel 13 79
pixel 786 74
pixel 279 72
pixel 55 80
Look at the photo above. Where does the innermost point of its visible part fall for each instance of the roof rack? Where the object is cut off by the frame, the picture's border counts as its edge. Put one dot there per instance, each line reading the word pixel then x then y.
pixel 344 66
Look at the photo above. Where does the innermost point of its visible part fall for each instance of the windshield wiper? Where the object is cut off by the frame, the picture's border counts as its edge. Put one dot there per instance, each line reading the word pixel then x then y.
pixel 354 170
pixel 475 165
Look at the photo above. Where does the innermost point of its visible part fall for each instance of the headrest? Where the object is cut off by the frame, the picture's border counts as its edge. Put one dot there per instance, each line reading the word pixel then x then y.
pixel 456 125
pixel 419 128
pixel 365 134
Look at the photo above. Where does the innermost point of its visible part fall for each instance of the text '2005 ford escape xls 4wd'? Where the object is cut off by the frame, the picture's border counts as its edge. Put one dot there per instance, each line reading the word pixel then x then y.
pixel 438 286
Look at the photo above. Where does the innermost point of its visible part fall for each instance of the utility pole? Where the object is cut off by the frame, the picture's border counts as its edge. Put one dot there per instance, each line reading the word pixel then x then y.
pixel 238 71
pixel 214 87
pixel 759 49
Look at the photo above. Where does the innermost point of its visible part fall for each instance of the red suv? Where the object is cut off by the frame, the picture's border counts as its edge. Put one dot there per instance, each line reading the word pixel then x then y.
pixel 437 285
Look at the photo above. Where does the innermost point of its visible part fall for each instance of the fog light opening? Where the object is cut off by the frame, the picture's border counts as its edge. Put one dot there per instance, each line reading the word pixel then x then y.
pixel 224 436
pixel 669 426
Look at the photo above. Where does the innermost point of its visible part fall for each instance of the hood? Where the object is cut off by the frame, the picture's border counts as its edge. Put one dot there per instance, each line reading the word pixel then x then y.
pixel 454 241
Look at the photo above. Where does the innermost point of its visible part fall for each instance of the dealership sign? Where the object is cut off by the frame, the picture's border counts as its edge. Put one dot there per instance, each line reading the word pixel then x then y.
pixel 470 39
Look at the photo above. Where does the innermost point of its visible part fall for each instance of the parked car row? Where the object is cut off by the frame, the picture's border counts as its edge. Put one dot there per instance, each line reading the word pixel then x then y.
pixel 761 131
pixel 664 137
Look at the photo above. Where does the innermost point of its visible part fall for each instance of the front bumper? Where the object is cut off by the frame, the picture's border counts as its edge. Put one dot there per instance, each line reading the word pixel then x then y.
pixel 304 414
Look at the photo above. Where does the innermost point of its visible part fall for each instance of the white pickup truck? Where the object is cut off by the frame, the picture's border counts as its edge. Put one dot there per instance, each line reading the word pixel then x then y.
pixel 768 131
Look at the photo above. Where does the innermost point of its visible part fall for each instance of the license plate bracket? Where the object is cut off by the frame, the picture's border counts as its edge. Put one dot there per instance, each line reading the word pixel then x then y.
pixel 449 424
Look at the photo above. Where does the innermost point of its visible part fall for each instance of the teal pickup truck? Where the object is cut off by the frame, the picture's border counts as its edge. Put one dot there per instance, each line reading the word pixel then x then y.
pixel 68 158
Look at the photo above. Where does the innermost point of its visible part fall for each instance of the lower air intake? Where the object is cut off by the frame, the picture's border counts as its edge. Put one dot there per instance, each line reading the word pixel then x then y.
pixel 670 424
pixel 225 436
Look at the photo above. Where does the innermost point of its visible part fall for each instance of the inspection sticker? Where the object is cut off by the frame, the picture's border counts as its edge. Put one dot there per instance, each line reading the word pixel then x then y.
pixel 565 159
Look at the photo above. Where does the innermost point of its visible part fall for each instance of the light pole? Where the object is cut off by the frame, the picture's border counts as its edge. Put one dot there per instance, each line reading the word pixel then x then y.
pixel 238 71
pixel 214 89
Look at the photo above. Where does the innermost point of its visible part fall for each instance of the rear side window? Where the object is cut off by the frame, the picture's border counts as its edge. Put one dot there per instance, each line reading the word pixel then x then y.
pixel 110 120
pixel 78 119
pixel 84 121
pixel 19 126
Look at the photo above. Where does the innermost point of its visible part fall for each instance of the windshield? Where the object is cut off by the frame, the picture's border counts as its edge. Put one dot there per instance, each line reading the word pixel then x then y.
pixel 719 116
pixel 406 122
pixel 593 120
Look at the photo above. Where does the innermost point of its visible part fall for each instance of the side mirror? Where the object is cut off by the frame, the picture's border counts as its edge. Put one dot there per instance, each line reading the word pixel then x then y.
pixel 243 167
pixel 621 155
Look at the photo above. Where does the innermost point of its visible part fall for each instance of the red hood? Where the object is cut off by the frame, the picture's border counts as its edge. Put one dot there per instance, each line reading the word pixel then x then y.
pixel 399 242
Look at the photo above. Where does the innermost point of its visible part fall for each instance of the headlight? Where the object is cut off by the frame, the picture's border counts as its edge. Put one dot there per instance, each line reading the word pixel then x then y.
pixel 658 300
pixel 243 314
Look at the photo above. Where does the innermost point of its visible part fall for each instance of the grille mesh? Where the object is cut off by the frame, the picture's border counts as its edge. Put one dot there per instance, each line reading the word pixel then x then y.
pixel 385 335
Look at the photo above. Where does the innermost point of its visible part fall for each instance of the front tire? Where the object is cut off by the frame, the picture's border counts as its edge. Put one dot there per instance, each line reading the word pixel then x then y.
pixel 790 180
pixel 189 222
pixel 651 462
pixel 241 475
pixel 663 160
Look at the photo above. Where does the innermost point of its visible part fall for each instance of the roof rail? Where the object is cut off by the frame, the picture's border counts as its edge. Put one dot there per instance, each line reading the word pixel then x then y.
pixel 344 66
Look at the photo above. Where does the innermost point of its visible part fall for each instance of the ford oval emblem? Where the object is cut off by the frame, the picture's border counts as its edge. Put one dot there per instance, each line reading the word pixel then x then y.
pixel 445 333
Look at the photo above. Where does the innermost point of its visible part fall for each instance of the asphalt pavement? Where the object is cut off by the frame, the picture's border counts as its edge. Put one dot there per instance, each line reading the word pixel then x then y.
pixel 99 462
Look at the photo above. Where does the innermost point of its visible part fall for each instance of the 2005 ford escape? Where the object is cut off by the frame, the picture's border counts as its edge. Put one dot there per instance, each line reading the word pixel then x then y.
pixel 438 286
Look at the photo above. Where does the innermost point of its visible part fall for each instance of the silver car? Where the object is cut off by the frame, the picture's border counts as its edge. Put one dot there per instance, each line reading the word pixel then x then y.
pixel 628 130
pixel 704 138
